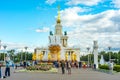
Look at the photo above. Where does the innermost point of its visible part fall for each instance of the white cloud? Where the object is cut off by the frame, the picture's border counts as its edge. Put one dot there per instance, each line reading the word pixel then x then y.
pixel 85 2
pixel 17 46
pixel 71 14
pixel 45 29
pixel 50 1
pixel 116 3
pixel 103 27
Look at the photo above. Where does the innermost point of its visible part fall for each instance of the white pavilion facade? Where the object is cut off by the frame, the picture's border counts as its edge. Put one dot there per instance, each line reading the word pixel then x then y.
pixel 58 48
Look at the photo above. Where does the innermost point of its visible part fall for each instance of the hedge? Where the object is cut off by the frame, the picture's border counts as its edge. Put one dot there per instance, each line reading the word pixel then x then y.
pixel 106 67
pixel 117 68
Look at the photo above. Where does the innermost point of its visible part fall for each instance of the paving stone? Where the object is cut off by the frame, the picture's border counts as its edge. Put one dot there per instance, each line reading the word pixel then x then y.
pixel 77 74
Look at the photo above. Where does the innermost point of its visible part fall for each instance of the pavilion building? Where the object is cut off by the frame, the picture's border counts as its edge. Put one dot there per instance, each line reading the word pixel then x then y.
pixel 58 48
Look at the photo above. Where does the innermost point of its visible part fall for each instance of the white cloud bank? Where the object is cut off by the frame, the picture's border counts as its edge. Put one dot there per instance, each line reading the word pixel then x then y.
pixel 104 27
pixel 50 2
pixel 85 2
pixel 116 3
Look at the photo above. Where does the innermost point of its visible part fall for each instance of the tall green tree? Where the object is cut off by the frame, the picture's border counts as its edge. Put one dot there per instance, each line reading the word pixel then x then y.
pixel 11 54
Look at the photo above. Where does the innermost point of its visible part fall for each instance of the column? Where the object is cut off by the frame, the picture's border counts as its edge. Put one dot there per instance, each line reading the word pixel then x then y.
pixel 78 55
pixel 95 52
pixel 62 53
pixel 46 55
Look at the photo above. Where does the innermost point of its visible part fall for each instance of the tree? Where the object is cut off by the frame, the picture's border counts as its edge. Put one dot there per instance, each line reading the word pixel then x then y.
pixel 118 57
pixel 2 56
pixel 11 54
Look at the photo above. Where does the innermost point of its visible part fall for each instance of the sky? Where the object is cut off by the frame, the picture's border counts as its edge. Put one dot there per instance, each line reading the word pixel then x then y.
pixel 28 23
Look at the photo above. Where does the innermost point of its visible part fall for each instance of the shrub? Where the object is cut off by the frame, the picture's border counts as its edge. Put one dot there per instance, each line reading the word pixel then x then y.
pixel 117 68
pixel 104 67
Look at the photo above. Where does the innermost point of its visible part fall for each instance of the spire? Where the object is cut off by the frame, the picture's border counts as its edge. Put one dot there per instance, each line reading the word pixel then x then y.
pixel 58 17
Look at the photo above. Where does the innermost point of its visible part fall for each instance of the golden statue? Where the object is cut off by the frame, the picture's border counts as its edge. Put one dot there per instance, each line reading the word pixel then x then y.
pixel 66 56
pixel 58 56
pixel 49 56
pixel 41 56
pixel 34 56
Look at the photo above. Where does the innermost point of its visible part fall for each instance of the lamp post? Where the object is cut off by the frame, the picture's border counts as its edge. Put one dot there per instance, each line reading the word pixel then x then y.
pixel 109 48
pixel 21 55
pixel 25 51
pixel 4 51
pixel 88 55
pixel 90 58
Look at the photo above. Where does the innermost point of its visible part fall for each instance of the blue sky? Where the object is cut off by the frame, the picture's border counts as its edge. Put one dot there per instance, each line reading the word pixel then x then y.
pixel 28 22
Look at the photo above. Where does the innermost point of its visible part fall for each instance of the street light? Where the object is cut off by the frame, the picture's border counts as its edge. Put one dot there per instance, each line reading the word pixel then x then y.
pixel 25 51
pixel 109 48
pixel 21 55
pixel 4 51
pixel 88 55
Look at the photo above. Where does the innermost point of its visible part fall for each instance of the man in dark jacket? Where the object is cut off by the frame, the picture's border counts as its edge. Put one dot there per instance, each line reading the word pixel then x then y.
pixel 7 70
pixel 63 66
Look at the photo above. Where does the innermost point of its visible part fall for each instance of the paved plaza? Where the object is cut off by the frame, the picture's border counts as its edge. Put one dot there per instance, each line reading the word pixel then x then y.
pixel 77 74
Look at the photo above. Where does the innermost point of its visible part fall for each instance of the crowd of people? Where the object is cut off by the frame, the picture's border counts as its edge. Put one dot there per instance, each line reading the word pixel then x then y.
pixel 68 66
pixel 7 69
pixel 65 66
pixel 8 64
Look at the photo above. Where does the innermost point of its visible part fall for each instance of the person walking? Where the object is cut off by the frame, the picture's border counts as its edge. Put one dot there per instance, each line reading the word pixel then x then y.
pixel 94 66
pixel 111 67
pixel 1 77
pixel 24 64
pixel 7 69
pixel 63 66
pixel 80 64
pixel 69 67
pixel 84 65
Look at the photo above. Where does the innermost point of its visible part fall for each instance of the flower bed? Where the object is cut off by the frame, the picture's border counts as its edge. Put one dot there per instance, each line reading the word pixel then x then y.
pixel 52 70
pixel 43 66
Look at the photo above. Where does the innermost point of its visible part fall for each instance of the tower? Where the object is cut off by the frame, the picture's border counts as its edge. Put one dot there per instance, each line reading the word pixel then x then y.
pixel 58 26
pixel 58 37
